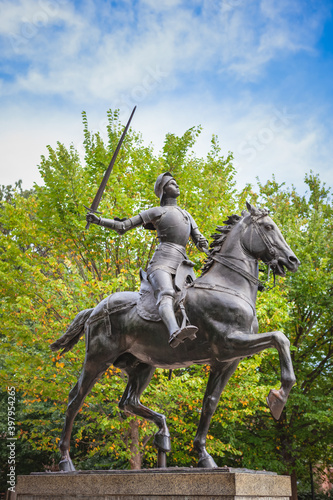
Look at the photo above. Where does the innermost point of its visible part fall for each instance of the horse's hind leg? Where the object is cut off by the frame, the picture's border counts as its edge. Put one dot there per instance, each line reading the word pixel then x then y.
pixel 217 381
pixel 90 373
pixel 248 344
pixel 139 376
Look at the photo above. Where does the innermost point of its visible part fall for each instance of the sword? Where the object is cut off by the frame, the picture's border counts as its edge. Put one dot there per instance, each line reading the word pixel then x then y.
pixel 97 199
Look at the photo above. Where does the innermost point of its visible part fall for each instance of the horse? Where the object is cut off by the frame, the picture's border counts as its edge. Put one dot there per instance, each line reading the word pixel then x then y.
pixel 220 302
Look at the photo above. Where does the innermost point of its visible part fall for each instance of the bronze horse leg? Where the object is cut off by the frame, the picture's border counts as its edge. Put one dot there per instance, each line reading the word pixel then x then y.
pixel 218 379
pixel 92 370
pixel 248 344
pixel 139 376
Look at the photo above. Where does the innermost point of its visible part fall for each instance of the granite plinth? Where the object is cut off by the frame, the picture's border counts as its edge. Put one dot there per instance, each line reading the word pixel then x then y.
pixel 165 484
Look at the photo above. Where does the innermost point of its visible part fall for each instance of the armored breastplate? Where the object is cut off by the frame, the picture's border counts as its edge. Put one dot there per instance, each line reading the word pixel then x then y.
pixel 173 226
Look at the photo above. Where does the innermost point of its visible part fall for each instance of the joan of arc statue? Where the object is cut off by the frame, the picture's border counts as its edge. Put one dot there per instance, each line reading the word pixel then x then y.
pixel 174 226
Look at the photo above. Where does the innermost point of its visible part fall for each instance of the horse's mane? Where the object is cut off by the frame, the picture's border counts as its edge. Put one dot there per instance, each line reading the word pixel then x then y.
pixel 223 231
pixel 218 239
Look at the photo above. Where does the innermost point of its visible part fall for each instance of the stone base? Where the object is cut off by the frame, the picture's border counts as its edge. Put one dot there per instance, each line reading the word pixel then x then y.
pixel 155 484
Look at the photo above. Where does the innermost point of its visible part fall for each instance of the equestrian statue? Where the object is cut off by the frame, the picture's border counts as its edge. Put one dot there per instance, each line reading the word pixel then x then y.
pixel 125 331
pixel 176 319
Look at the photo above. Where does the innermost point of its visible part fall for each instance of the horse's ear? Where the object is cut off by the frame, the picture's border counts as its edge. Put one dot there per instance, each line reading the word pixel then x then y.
pixel 253 210
pixel 249 207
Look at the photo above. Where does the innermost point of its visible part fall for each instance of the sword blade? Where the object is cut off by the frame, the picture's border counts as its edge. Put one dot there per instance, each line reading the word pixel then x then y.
pixel 105 179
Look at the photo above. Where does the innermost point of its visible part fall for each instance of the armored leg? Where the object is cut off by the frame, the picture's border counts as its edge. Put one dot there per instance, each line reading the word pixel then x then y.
pixel 167 314
pixel 162 284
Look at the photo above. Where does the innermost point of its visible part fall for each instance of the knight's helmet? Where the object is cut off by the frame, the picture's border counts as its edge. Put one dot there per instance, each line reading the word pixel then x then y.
pixel 161 181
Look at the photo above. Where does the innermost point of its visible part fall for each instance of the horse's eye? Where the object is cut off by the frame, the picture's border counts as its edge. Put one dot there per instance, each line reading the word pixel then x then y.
pixel 268 227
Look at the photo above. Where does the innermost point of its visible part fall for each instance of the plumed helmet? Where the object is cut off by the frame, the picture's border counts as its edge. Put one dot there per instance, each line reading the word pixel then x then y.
pixel 161 181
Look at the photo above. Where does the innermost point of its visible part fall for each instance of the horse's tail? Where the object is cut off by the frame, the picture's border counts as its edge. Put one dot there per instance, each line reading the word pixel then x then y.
pixel 73 334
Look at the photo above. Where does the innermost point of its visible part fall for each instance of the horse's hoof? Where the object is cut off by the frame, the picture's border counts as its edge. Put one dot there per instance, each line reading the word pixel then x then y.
pixel 66 465
pixel 162 442
pixel 188 332
pixel 275 403
pixel 207 463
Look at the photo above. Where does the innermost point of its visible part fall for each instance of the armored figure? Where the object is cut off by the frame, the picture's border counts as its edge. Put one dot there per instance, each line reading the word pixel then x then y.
pixel 174 226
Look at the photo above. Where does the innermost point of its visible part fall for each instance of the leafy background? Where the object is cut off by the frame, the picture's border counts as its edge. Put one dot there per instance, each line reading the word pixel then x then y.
pixel 51 268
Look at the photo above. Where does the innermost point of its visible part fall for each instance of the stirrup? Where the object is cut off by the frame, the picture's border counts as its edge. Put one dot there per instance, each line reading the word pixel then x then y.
pixel 187 332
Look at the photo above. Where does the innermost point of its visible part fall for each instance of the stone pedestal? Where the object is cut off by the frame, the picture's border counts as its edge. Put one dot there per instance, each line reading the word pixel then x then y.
pixel 155 484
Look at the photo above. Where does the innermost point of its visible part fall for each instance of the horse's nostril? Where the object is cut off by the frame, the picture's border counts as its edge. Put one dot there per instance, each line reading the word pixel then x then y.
pixel 293 259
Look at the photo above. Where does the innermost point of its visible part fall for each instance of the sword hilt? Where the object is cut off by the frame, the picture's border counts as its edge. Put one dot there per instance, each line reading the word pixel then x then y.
pixel 89 211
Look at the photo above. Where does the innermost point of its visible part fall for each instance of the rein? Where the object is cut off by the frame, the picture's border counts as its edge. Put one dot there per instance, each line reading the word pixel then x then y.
pixel 239 270
pixel 221 288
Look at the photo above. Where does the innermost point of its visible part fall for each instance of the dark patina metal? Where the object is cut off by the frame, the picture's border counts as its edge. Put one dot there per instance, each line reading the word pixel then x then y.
pixel 220 305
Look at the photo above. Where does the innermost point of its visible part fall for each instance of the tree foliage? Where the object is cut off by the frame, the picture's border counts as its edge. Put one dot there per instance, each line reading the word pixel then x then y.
pixel 51 268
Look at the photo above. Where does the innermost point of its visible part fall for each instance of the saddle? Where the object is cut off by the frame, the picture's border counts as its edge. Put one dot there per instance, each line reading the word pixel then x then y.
pixel 146 305
pixel 144 300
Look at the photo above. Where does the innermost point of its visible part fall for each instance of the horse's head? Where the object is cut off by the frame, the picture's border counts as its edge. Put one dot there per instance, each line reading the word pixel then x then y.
pixel 263 240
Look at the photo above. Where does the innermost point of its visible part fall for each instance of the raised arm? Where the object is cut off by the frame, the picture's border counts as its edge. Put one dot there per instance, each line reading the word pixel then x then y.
pixel 145 218
pixel 121 226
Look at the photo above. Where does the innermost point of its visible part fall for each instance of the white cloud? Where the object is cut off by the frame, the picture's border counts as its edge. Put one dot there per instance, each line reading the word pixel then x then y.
pixel 115 55
pixel 276 141
pixel 24 134
pixel 84 59
pixel 288 146
pixel 162 5
pixel 23 20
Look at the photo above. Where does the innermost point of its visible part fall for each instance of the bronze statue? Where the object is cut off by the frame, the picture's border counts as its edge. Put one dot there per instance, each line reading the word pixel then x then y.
pixel 220 304
pixel 174 226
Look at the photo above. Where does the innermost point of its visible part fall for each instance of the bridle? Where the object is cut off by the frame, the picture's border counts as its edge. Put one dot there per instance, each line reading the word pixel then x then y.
pixel 270 247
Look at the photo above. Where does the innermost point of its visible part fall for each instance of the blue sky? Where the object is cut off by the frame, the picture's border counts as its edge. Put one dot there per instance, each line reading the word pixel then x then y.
pixel 257 73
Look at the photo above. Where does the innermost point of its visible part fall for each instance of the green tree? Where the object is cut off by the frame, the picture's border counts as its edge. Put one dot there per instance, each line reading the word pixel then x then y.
pixel 51 268
pixel 302 307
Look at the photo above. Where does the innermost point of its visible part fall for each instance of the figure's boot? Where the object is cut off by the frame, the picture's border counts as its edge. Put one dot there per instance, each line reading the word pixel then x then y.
pixel 177 335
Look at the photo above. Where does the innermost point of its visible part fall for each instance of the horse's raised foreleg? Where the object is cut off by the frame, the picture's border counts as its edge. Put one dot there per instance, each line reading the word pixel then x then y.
pixel 90 373
pixel 139 376
pixel 218 378
pixel 247 344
